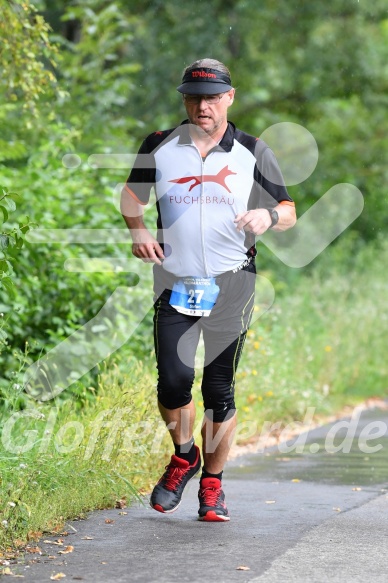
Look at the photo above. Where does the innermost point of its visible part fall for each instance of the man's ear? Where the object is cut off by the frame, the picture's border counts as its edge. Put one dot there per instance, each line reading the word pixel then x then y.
pixel 231 96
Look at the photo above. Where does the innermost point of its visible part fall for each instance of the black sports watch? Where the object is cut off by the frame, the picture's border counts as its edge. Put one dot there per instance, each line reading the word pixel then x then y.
pixel 274 217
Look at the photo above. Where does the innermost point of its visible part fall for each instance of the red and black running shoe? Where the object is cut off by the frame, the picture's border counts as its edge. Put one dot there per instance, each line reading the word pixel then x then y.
pixel 212 507
pixel 167 494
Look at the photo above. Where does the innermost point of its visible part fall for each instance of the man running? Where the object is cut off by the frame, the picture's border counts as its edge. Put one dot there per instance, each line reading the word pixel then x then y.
pixel 217 188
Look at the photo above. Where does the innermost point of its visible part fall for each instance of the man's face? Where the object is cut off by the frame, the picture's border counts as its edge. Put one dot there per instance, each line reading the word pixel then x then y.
pixel 210 117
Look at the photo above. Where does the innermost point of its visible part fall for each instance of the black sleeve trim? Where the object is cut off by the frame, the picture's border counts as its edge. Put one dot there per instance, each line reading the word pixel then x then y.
pixel 143 174
pixel 269 183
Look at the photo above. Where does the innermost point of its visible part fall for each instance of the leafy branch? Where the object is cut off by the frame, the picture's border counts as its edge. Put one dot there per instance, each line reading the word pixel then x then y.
pixel 11 237
pixel 27 55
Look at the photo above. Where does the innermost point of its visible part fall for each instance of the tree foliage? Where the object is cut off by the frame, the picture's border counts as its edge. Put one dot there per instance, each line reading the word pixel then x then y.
pixel 26 54
pixel 95 76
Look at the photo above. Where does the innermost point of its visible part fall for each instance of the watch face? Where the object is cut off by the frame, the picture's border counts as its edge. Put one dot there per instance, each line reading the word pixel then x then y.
pixel 275 218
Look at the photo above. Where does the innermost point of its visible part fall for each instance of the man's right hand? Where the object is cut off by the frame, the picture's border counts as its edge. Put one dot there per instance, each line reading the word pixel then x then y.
pixel 146 247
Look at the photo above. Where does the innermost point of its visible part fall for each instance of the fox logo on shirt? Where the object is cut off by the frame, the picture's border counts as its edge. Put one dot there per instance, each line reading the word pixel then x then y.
pixel 217 178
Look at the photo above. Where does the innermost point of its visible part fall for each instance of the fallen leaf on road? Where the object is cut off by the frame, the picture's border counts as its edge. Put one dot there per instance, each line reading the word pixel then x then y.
pixel 59 542
pixel 57 577
pixel 270 501
pixel 123 513
pixel 66 550
pixel 337 509
pixel 12 554
pixel 109 521
pixel 7 571
pixel 34 550
pixel 295 480
pixel 52 557
pixel 356 489
pixel 34 535
pixel 122 503
pixel 243 568
pixel 55 528
pixel 87 538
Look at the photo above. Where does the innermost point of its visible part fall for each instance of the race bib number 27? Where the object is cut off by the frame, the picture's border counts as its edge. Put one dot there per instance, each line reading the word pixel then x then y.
pixel 194 296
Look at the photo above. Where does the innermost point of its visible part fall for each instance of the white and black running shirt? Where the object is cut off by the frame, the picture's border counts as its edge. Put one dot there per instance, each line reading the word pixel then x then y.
pixel 199 198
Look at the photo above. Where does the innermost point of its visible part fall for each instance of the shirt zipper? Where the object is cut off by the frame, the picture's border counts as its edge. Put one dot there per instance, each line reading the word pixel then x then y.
pixel 202 207
pixel 201 214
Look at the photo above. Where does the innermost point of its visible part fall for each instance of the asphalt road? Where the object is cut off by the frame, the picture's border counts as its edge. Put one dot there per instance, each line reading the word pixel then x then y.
pixel 314 516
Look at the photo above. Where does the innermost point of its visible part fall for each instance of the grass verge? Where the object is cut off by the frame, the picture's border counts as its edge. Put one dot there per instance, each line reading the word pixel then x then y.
pixel 57 462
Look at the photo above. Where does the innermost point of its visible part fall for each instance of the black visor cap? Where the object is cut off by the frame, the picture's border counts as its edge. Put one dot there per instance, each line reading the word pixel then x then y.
pixel 205 81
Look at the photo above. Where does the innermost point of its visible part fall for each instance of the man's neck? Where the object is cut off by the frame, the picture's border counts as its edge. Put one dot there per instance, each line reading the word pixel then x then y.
pixel 204 141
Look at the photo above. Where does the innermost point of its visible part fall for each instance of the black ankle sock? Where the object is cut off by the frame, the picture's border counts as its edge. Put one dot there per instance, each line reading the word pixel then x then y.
pixel 206 474
pixel 186 451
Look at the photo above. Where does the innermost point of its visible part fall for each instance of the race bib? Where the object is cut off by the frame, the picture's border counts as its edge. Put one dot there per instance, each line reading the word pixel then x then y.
pixel 194 296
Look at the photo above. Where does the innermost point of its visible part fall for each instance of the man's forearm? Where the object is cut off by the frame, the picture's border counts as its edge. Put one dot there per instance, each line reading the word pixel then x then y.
pixel 132 213
pixel 135 224
pixel 287 217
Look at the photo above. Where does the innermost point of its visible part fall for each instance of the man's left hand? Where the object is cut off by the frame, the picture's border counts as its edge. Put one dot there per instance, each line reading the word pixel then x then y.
pixel 256 221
